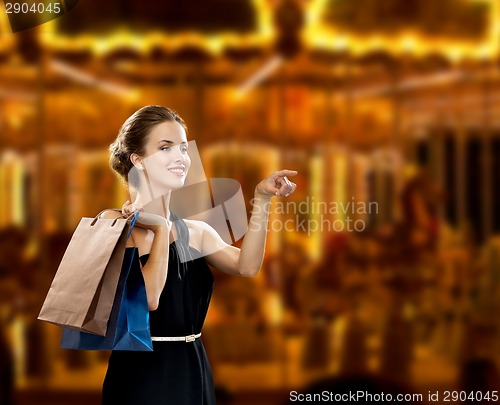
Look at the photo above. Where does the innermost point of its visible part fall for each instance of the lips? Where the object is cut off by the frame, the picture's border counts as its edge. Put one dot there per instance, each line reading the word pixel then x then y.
pixel 178 170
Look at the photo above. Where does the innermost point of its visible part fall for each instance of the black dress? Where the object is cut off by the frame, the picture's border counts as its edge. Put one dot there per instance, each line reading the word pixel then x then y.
pixel 176 373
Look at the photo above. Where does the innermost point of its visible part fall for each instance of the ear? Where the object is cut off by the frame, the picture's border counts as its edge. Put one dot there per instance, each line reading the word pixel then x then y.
pixel 136 160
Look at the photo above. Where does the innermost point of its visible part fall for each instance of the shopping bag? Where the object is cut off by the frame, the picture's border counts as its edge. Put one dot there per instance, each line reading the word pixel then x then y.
pixel 82 292
pixel 128 327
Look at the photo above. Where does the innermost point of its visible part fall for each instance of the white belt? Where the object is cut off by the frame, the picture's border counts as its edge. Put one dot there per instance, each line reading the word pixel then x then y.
pixel 189 338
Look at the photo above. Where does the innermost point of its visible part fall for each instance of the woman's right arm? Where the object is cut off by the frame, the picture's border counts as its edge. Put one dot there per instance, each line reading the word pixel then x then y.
pixel 155 270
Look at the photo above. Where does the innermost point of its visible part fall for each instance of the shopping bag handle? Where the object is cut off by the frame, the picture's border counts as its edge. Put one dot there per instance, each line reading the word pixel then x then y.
pixel 114 209
pixel 132 216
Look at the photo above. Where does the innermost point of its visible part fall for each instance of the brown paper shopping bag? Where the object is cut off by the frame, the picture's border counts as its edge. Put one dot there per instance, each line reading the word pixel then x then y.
pixel 82 292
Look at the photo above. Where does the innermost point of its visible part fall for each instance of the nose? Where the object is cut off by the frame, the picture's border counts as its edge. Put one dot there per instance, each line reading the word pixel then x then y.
pixel 179 155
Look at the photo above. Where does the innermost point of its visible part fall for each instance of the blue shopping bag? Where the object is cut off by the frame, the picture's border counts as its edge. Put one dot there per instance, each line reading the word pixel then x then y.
pixel 128 327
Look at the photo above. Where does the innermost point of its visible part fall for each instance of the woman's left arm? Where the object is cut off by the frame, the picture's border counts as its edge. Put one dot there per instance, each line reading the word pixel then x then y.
pixel 247 261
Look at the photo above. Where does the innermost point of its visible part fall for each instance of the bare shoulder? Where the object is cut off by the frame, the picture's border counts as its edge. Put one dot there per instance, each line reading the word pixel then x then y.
pixel 204 237
pixel 196 225
pixel 199 227
pixel 196 229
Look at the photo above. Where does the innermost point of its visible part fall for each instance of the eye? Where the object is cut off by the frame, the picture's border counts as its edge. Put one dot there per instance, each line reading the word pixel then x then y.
pixel 184 149
pixel 166 147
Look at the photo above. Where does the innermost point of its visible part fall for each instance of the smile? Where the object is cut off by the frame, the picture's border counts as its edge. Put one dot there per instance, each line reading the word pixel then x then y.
pixel 178 171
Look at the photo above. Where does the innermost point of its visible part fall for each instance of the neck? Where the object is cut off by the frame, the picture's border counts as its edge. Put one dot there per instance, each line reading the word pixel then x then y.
pixel 158 206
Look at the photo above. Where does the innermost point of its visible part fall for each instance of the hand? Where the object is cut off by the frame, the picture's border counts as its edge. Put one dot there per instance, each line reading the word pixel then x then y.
pixel 129 208
pixel 145 219
pixel 277 184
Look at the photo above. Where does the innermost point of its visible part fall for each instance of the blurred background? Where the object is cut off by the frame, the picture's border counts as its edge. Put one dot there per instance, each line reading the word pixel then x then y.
pixel 389 106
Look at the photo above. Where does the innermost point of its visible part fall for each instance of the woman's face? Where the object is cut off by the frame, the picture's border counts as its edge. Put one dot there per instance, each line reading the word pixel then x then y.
pixel 166 161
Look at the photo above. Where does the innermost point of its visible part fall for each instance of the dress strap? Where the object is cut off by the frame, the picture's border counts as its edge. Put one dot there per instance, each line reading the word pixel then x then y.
pixel 182 229
pixel 182 243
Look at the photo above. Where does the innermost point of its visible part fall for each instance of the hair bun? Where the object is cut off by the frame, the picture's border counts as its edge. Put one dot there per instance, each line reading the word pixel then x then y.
pixel 119 154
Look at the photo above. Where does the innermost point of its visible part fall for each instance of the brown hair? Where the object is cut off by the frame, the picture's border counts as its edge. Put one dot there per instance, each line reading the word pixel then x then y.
pixel 132 138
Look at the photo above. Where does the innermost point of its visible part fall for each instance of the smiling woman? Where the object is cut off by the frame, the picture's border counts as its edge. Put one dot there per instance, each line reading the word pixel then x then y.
pixel 151 157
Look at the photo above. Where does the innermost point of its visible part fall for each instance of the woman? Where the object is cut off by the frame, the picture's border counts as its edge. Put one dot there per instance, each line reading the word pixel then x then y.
pixel 153 141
